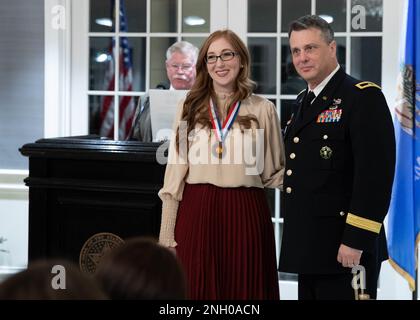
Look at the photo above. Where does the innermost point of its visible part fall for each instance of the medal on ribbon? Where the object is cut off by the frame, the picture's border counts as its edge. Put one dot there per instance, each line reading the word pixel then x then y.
pixel 222 131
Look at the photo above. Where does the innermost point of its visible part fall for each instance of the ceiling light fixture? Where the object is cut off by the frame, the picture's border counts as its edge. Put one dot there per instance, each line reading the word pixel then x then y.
pixel 101 57
pixel 194 21
pixel 327 18
pixel 104 22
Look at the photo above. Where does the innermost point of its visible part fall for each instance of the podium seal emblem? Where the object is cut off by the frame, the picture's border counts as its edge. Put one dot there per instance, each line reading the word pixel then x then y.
pixel 95 248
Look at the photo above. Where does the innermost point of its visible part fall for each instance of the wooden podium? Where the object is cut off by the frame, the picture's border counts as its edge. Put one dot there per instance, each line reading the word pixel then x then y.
pixel 87 185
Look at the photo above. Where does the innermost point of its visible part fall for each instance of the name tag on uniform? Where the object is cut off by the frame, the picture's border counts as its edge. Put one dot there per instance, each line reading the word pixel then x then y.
pixel 329 116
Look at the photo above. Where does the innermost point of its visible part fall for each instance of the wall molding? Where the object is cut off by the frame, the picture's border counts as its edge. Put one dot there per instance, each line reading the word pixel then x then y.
pixel 12 186
pixel 79 85
pixel 57 68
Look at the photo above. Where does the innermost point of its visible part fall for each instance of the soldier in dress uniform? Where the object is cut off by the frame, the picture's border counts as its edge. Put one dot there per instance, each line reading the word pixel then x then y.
pixel 340 158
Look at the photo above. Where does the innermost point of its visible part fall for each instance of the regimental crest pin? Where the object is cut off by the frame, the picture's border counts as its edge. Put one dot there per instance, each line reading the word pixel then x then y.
pixel 336 103
pixel 325 152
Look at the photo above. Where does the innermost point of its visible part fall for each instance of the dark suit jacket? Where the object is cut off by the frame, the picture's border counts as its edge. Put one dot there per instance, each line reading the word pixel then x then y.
pixel 142 125
pixel 338 177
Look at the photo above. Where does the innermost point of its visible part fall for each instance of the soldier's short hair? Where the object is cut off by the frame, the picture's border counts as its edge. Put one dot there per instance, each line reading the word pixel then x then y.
pixel 313 21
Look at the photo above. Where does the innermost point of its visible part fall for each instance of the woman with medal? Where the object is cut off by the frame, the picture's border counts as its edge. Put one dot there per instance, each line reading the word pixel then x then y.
pixel 226 148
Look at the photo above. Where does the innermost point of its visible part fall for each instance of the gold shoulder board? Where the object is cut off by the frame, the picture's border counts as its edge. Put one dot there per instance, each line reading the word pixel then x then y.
pixel 367 84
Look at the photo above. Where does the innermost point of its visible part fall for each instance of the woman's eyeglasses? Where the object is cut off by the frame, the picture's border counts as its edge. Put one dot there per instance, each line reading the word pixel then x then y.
pixel 225 56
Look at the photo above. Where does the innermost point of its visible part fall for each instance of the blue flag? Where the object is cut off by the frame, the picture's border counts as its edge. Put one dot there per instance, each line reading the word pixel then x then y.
pixel 404 212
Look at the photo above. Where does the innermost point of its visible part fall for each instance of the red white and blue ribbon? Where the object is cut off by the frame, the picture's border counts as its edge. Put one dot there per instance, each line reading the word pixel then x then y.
pixel 221 131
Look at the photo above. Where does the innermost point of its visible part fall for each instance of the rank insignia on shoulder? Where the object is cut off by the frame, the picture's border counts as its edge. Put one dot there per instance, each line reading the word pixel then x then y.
pixel 330 116
pixel 367 84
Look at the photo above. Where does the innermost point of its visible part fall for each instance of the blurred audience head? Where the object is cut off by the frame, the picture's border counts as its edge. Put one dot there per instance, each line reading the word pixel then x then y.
pixel 50 280
pixel 141 269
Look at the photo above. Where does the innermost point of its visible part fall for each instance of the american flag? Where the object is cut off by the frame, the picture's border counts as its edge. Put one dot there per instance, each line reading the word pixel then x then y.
pixel 126 103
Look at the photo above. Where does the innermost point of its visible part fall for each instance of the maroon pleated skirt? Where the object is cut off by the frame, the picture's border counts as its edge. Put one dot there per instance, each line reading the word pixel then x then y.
pixel 226 243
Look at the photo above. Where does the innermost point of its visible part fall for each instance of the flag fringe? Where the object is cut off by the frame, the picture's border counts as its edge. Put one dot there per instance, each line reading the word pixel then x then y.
pixel 402 272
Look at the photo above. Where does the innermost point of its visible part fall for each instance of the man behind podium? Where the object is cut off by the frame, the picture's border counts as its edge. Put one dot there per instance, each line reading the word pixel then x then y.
pixel 340 157
pixel 181 58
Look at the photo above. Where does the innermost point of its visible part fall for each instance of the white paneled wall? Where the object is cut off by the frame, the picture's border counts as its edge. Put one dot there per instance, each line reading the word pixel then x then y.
pixel 13 218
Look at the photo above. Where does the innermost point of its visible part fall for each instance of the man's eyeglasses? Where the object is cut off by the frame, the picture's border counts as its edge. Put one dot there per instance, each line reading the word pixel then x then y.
pixel 184 67
pixel 225 56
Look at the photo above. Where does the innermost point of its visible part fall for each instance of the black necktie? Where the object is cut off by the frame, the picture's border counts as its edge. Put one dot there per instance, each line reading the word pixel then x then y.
pixel 307 102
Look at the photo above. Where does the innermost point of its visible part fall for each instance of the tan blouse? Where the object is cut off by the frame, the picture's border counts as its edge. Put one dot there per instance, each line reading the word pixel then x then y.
pixel 252 158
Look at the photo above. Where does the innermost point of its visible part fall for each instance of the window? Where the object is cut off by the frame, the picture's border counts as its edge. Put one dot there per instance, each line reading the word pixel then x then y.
pixel 138 37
